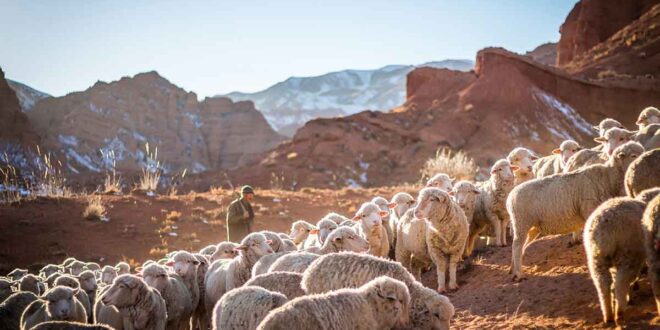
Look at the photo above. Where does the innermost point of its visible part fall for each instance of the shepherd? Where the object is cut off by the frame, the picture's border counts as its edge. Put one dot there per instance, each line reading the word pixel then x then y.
pixel 240 216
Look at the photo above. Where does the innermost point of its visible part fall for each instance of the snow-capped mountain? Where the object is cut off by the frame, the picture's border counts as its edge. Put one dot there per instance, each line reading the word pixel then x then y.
pixel 289 104
pixel 27 96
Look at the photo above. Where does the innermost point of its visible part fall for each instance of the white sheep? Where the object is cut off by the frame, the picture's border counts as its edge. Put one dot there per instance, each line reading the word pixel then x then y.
pixel 185 265
pixel 648 116
pixel 371 228
pixel 200 318
pixel 649 136
pixel 606 124
pixel 561 203
pixel 465 195
pixel 342 239
pixel 49 270
pixel 123 268
pixel 17 274
pixel 244 308
pixel 325 227
pixel 68 325
pixel 108 274
pixel 524 159
pixel 336 217
pixel 275 240
pixel 31 283
pixel 611 239
pixel 141 307
pixel 264 263
pixel 556 162
pixel 411 249
pixel 386 206
pixel 12 308
pixel 224 250
pixel 446 232
pixel 611 139
pixel 87 281
pixel 643 174
pixel 108 315
pixel 208 250
pixel 75 267
pixel 379 304
pixel 294 262
pixel 490 209
pixel 651 232
pixel 59 303
pixel 286 283
pixel 173 290
pixel 300 231
pixel 399 204
pixel 82 296
pixel 429 309
pixel 441 180
pixel 224 275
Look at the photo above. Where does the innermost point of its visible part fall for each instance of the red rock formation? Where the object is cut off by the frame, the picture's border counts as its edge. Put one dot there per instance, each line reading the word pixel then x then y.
pixel 124 115
pixel 544 54
pixel 594 21
pixel 14 125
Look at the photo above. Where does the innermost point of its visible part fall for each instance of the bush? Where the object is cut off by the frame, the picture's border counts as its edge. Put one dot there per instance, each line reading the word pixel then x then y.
pixel 457 165
pixel 95 209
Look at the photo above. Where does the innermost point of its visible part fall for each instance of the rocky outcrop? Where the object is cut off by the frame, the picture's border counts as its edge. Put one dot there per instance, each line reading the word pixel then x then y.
pixel 544 54
pixel 14 125
pixel 125 115
pixel 27 96
pixel 594 21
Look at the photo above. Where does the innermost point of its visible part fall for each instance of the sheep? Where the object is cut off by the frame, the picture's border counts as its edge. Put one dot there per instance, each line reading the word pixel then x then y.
pixel 31 283
pixel 651 232
pixel 68 261
pixel 58 304
pixel 94 267
pixel 556 162
pixel 289 245
pixel 411 249
pixel 379 304
pixel 606 124
pixel 17 274
pixel 66 325
pixel 524 159
pixel 440 180
pixel 351 270
pixel 141 307
pixel 649 136
pixel 300 231
pixel 50 281
pixel 49 270
pixel 385 206
pixel 325 227
pixel 400 203
pixel 648 116
pixel 231 312
pixel 489 207
pixel 108 274
pixel 275 240
pixel 82 296
pixel 12 308
pixel 465 195
pixel 261 267
pixel 371 227
pixel 225 250
pixel 123 268
pixel 108 315
pixel 199 318
pixel 611 139
pixel 561 203
pixel 173 290
pixel 224 275
pixel 6 288
pixel 643 173
pixel 335 217
pixel 208 250
pixel 87 281
pixel 75 268
pixel 185 265
pixel 286 283
pixel 611 236
pixel 446 232
pixel 294 262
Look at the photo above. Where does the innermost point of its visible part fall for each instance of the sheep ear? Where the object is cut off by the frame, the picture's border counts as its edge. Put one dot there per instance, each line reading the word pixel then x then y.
pixel 241 248
pixel 600 139
pixel 556 151
pixel 428 184
pixel 356 218
pixel 314 232
pixel 391 205
pixel 337 239
pixel 451 193
pixel 169 263
pixel 269 241
pixel 534 157
pixel 476 192
pixel 515 167
pixel 383 213
pixel 493 171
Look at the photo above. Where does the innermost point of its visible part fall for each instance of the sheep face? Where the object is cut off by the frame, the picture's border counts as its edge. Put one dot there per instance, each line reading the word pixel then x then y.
pixel 326 226
pixel 440 313
pixel 29 281
pixel 155 276
pixel 464 193
pixel 225 250
pixel 17 274
pixel 108 274
pixel 523 158
pixel 606 124
pixel 393 298
pixel 370 215
pixel 209 250
pixel 255 245
pixel 48 270
pixel 76 267
pixel 648 116
pixel 87 281
pixel 299 231
pixel 123 292
pixel 60 303
pixel 626 154
pixel 613 138
pixel 347 239
pixel 432 200
pixel 503 171
pixel 275 240
pixel 382 203
pixel 566 150
pixel 441 181
pixel 123 268
pixel 402 202
pixel 5 287
pixel 184 263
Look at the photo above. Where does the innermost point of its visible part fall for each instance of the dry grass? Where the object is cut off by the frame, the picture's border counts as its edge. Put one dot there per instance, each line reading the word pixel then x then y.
pixel 455 164
pixel 173 216
pixel 151 172
pixel 112 183
pixel 95 209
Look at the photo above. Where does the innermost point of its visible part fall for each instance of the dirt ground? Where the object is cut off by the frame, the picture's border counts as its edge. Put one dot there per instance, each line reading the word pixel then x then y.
pixel 557 294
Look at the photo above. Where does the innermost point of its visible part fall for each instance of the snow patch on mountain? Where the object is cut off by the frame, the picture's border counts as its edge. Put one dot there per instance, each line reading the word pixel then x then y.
pixel 27 96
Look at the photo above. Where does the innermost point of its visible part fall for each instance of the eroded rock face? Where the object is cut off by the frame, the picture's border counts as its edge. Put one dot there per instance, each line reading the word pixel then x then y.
pixel 14 125
pixel 544 54
pixel 592 22
pixel 125 115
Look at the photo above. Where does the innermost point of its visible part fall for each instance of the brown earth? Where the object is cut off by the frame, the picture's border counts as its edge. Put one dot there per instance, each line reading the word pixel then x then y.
pixel 558 293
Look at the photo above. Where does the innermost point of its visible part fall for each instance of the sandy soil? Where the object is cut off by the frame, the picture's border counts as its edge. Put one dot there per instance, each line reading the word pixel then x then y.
pixel 558 293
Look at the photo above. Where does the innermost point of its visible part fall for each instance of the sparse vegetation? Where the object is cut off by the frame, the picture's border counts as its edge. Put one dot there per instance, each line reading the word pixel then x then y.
pixel 457 165
pixel 151 172
pixel 95 209
pixel 173 216
pixel 111 183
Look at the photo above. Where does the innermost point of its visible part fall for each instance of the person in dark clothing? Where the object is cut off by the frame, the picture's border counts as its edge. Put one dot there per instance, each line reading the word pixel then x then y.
pixel 240 216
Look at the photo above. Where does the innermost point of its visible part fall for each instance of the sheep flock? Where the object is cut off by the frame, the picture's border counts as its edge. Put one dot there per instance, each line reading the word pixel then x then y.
pixel 364 271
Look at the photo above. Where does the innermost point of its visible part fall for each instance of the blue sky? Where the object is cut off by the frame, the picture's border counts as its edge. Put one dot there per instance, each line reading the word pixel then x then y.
pixel 213 47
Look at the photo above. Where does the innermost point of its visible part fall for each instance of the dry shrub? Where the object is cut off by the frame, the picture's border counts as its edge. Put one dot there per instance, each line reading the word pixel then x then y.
pixel 457 165
pixel 173 216
pixel 95 209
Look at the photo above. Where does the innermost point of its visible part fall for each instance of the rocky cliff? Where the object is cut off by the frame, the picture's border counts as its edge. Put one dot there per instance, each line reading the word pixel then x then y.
pixel 14 125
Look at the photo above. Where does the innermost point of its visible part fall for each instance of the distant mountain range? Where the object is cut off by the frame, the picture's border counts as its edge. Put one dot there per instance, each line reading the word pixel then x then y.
pixel 288 105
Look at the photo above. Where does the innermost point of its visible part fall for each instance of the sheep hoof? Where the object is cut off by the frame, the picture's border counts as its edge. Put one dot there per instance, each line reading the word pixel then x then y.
pixel 442 290
pixel 453 288
pixel 518 278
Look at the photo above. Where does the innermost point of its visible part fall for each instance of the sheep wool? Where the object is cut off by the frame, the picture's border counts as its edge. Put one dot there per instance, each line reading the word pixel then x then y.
pixel 231 312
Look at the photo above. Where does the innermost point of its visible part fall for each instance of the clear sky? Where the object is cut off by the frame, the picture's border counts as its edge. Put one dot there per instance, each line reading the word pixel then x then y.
pixel 213 47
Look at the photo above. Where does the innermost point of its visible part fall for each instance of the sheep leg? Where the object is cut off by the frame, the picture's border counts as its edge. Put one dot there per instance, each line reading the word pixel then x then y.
pixel 625 275
pixel 453 261
pixel 517 252
pixel 505 223
pixel 603 281
pixel 440 261
pixel 497 228
pixel 654 278
pixel 532 235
